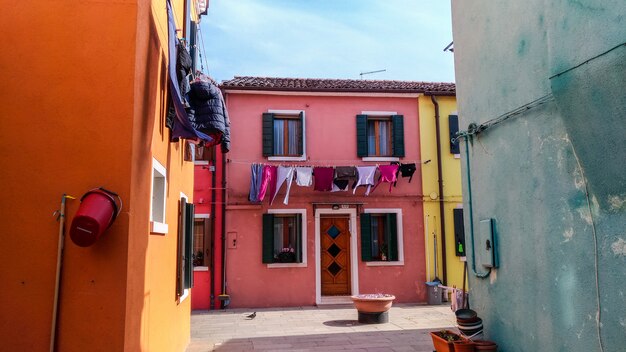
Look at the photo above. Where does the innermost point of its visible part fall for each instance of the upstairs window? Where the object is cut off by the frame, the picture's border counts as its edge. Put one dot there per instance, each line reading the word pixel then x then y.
pixel 380 135
pixel 283 135
pixel 283 237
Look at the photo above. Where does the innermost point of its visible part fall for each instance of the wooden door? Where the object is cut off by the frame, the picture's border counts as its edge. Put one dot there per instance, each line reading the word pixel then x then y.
pixel 335 256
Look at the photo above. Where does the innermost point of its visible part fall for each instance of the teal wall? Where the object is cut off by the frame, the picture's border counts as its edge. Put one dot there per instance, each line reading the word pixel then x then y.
pixel 554 175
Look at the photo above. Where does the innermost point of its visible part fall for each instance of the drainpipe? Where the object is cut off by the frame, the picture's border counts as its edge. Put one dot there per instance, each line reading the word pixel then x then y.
pixel 212 239
pixel 441 203
pixel 223 226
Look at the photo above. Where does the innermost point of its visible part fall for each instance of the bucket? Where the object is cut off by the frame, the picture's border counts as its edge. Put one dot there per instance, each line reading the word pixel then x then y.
pixel 97 212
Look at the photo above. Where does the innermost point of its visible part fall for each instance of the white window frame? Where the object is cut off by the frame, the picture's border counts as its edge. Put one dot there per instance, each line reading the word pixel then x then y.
pixel 186 290
pixel 303 243
pixel 292 158
pixel 201 216
pixel 158 170
pixel 399 236
pixel 379 158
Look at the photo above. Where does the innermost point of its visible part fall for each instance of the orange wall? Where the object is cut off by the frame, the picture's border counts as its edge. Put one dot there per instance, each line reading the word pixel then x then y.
pixel 84 108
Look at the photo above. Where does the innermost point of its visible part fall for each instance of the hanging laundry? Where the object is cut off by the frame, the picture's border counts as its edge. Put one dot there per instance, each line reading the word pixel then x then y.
pixel 339 185
pixel 344 173
pixel 388 173
pixel 407 170
pixel 323 178
pixel 284 173
pixel 211 116
pixel 304 176
pixel 256 177
pixel 268 181
pixel 365 178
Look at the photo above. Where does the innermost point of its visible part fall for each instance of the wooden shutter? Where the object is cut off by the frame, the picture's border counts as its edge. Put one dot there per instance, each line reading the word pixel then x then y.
pixel 459 233
pixel 298 243
pixel 180 262
pixel 391 233
pixel 188 259
pixel 366 237
pixel 361 135
pixel 398 135
pixel 301 134
pixel 453 123
pixel 268 134
pixel 268 238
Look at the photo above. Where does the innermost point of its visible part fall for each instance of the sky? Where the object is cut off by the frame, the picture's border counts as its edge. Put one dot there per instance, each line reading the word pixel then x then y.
pixel 328 39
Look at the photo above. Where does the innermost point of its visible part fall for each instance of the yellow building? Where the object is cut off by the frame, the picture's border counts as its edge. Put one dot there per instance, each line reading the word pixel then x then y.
pixel 441 185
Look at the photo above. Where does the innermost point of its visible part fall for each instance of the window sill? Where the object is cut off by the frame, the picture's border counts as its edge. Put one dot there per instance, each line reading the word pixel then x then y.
pixel 286 158
pixel 200 268
pixel 380 158
pixel 158 228
pixel 184 296
pixel 457 156
pixel 286 265
pixel 385 263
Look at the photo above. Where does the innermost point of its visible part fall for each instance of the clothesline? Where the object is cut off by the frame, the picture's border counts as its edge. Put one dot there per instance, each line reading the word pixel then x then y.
pixel 330 163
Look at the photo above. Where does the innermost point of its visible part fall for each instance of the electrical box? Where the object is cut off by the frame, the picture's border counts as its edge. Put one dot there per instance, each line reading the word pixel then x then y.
pixel 486 245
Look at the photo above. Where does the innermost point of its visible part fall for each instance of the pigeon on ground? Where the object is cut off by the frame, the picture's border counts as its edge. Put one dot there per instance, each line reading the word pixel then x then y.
pixel 251 316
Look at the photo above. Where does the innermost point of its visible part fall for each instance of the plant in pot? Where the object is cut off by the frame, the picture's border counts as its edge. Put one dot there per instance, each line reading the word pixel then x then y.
pixel 286 255
pixel 443 340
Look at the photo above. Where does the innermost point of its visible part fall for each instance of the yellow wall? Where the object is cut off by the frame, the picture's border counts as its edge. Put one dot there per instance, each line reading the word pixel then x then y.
pixel 83 97
pixel 451 170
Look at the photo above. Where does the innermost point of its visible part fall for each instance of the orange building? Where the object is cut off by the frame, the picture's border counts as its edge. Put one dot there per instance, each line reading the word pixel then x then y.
pixel 85 91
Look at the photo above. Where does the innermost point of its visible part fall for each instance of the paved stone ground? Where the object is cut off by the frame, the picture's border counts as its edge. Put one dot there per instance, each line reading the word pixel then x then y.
pixel 317 329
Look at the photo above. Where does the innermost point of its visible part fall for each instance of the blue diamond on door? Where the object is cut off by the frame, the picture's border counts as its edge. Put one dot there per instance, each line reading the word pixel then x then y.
pixel 334 268
pixel 333 232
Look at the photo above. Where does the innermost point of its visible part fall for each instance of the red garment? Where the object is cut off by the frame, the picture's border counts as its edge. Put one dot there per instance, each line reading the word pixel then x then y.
pixel 388 173
pixel 268 180
pixel 323 178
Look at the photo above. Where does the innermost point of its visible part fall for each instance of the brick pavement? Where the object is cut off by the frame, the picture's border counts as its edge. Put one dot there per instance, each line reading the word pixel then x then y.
pixel 333 328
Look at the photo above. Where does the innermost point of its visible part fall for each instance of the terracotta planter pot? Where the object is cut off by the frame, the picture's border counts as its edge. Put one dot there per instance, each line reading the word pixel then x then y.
pixel 373 303
pixel 484 345
pixel 444 345
pixel 463 346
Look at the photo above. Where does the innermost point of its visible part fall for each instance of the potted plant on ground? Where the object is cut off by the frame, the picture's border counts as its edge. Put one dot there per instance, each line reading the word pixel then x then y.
pixel 443 340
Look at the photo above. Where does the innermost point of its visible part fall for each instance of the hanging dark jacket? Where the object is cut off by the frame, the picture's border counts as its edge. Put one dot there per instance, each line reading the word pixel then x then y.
pixel 210 115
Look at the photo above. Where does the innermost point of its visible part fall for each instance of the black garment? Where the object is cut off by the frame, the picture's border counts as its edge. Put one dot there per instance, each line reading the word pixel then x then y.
pixel 183 69
pixel 341 184
pixel 211 116
pixel 407 170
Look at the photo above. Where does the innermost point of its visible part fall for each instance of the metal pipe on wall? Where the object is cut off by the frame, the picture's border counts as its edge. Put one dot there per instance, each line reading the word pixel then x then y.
pixel 441 197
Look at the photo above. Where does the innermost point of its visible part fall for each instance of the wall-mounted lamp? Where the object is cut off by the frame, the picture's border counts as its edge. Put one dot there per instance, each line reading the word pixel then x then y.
pixel 335 206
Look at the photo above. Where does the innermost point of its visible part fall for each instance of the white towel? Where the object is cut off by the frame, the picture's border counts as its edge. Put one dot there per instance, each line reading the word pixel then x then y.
pixel 304 176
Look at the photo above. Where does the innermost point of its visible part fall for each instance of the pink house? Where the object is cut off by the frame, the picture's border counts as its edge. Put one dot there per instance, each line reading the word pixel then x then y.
pixel 321 240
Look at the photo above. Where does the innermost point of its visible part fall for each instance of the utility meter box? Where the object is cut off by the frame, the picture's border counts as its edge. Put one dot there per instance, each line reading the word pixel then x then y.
pixel 486 246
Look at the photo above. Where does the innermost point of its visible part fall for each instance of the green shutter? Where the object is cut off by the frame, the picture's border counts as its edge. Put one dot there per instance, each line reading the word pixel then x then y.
pixel 268 134
pixel 361 135
pixel 366 237
pixel 391 234
pixel 453 126
pixel 301 134
pixel 298 243
pixel 268 238
pixel 398 135
pixel 180 266
pixel 188 261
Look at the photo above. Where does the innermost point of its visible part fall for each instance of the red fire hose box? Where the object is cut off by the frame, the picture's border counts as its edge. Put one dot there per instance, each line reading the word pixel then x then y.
pixel 97 212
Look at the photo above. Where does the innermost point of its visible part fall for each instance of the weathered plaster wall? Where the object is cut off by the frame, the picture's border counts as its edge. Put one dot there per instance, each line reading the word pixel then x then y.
pixel 552 176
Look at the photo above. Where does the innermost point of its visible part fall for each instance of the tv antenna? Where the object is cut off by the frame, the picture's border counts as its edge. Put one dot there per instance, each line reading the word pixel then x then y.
pixel 370 72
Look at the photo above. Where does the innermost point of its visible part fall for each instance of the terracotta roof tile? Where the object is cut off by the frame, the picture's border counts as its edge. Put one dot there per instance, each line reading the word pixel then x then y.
pixel 337 85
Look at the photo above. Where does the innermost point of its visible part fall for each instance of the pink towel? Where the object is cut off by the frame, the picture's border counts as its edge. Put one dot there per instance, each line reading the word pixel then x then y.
pixel 323 178
pixel 268 180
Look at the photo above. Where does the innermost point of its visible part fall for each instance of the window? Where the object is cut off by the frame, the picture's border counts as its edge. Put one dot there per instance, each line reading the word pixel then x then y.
pixel 381 235
pixel 184 272
pixel 284 237
pixel 157 204
pixel 204 155
pixel 283 135
pixel 201 241
pixel 380 134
